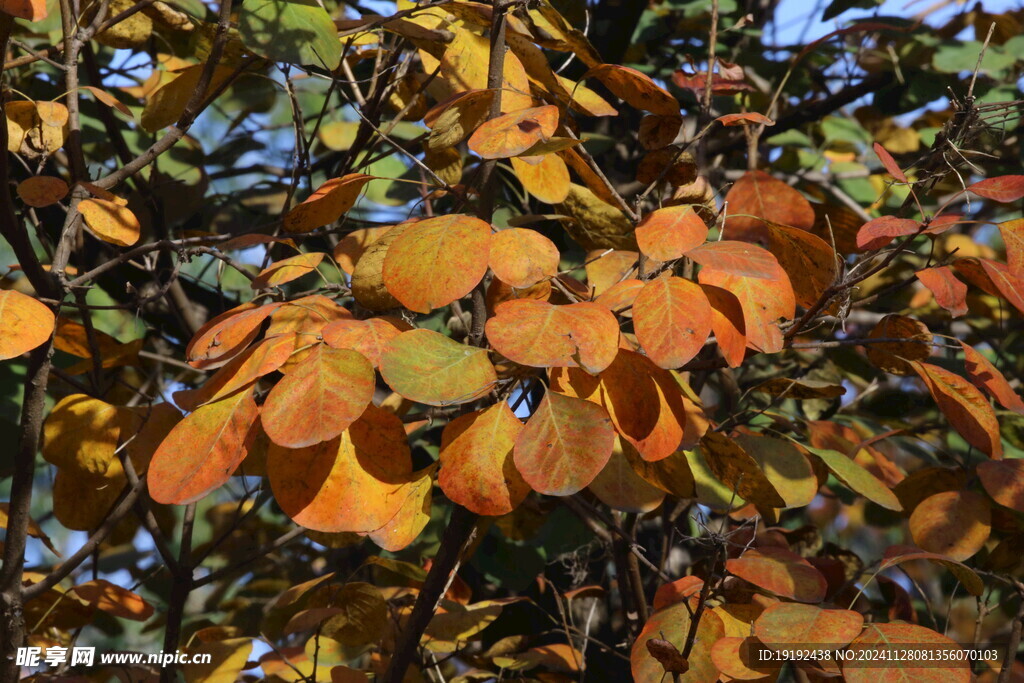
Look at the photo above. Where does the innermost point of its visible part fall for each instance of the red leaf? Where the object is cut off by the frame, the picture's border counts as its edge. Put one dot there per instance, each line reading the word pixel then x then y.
pixel 949 292
pixel 727 324
pixel 1004 189
pixel 890 164
pixel 879 232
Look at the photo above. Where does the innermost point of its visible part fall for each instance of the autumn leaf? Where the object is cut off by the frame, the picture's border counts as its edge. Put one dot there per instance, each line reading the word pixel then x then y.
pixel 565 444
pixel 895 356
pixel 736 258
pixel 436 261
pixel 745 119
pixel 763 302
pixel 319 398
pixel 548 179
pixel 879 232
pixel 477 468
pixel 966 408
pixel 855 477
pixel 349 483
pixel 111 222
pixel 672 624
pixel 668 233
pixel 949 292
pixel 635 88
pixel 287 270
pixel 811 264
pixel 203 450
pixel 985 375
pixel 522 257
pixel 330 201
pixel 756 199
pixel 672 318
pixel 889 163
pixel 786 624
pixel 1004 481
pixel 369 337
pixel 735 468
pixel 781 572
pixel 227 334
pixel 884 640
pixel 114 600
pixel 619 487
pixel 953 523
pixel 514 133
pixel 39 191
pixel 27 323
pixel 1004 189
pixel 428 367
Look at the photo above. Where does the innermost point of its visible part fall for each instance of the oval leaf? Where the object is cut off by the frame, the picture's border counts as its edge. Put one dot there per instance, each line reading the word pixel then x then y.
pixel 428 367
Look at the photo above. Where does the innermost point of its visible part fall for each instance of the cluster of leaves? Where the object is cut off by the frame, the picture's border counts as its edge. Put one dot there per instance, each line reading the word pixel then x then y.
pixel 521 329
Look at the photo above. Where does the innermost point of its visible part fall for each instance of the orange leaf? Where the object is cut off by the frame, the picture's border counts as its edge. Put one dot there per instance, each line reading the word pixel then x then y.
pixel 672 318
pixel 353 245
pixel 412 516
pixel 672 624
pixel 477 468
pixel 287 270
pixel 548 180
pixel 745 119
pixel 541 335
pixel 644 401
pixel 986 376
pixel 781 572
pixel 227 334
pixel 808 260
pixel 436 261
pixel 756 199
pixel 890 164
pixel 764 303
pixel 348 483
pixel 565 444
pixel 1009 285
pixel 949 292
pixel 677 591
pixel 737 658
pixel 635 88
pixel 511 134
pixel 893 356
pixel 738 471
pixel 1004 481
pixel 619 487
pixel 879 232
pixel 114 600
pixel 26 323
pixel 110 222
pixel 327 204
pixel 31 10
pixel 522 257
pixel 369 337
pixel 727 324
pixel 666 234
pixel 203 450
pixel 319 398
pixel 619 298
pixel 952 523
pixel 306 319
pixel 108 99
pixel 261 359
pixel 1003 189
pixel 42 190
pixel 736 258
pixel 1013 238
pixel 886 641
pixel 787 624
pixel 964 406
pixel 428 367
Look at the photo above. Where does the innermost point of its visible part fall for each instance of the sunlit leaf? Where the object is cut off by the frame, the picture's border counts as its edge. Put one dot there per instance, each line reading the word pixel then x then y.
pixel 966 408
pixel 757 199
pixel 635 88
pixel 287 270
pixel 522 257
pixel 430 368
pixel 672 318
pixel 787 624
pixel 954 523
pixel 885 640
pixel 291 31
pixel 514 133
pixel 949 292
pixel 781 572
pixel 673 625
pixel 565 444
pixel 477 469
pixel 203 450
pixel 436 261
pixel 27 323
pixel 319 398
pixel 666 234
pixel 330 201
pixel 111 222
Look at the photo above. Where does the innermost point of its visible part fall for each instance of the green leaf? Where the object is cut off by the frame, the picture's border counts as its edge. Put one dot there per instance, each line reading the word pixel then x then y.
pixel 292 31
